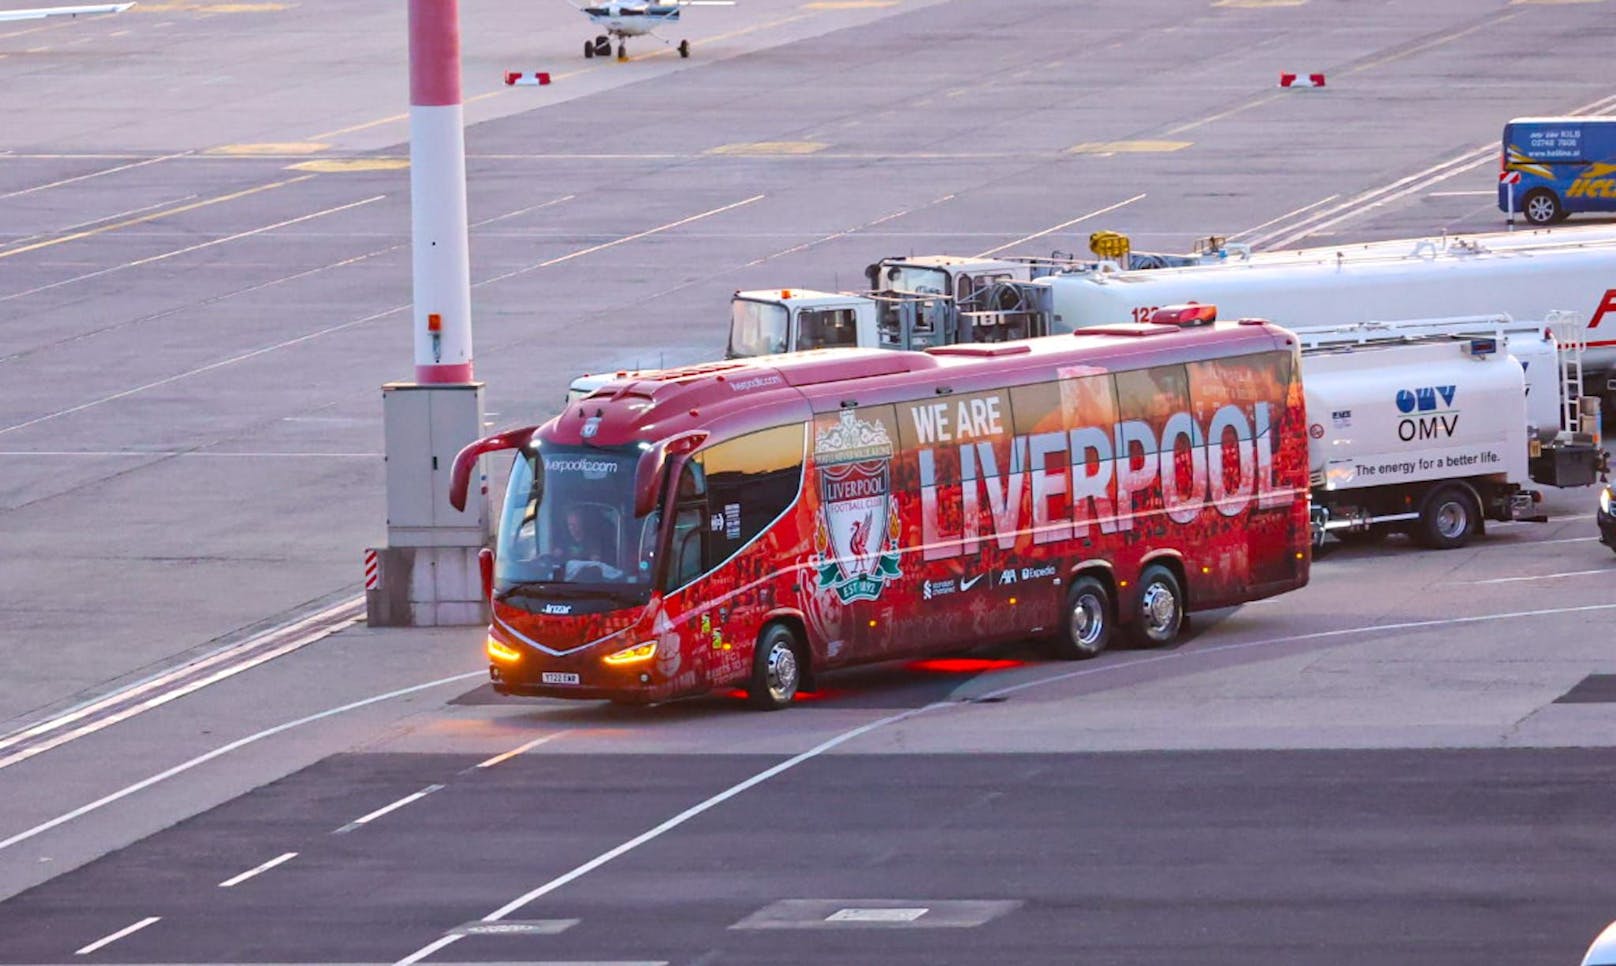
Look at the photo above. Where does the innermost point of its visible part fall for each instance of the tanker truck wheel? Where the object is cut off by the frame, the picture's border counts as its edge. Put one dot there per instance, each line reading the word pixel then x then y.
pixel 1448 518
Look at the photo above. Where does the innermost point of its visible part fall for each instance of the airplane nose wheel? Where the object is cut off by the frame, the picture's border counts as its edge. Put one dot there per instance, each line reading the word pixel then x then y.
pixel 684 48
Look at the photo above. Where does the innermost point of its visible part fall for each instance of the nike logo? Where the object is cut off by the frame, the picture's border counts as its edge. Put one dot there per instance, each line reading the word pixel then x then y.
pixel 968 584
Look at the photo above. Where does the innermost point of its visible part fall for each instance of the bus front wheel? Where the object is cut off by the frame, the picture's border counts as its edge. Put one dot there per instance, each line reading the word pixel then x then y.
pixel 1542 207
pixel 776 669
pixel 1159 614
pixel 1087 625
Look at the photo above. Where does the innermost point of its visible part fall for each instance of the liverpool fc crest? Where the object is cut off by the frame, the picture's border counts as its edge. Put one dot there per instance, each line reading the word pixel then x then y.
pixel 857 536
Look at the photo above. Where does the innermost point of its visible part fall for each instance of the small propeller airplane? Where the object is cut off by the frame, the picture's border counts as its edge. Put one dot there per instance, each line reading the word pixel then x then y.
pixel 85 10
pixel 623 20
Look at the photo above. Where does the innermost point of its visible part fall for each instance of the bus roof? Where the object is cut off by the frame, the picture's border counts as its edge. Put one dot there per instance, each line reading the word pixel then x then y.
pixel 726 399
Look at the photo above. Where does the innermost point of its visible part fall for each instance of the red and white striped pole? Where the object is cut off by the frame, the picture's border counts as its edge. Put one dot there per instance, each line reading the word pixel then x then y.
pixel 441 264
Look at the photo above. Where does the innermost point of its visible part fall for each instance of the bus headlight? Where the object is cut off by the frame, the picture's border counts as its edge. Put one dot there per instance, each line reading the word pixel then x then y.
pixel 632 655
pixel 500 651
pixel 1604 501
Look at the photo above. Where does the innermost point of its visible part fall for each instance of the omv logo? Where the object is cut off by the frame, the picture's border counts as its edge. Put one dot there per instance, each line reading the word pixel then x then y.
pixel 1424 399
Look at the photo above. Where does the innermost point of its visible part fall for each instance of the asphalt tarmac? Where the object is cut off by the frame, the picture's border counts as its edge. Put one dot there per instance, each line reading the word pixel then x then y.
pixel 204 274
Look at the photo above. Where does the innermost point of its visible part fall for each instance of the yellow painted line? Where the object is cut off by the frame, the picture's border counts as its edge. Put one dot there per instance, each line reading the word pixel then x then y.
pixel 1437 42
pixel 1128 147
pixel 347 165
pixel 152 217
pixel 271 148
pixel 849 4
pixel 766 148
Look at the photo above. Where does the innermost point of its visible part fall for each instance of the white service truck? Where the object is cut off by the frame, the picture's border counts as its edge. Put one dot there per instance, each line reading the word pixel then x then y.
pixel 1432 427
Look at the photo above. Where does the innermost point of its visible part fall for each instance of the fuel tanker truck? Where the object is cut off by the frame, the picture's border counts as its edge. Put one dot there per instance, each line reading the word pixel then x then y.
pixel 1434 427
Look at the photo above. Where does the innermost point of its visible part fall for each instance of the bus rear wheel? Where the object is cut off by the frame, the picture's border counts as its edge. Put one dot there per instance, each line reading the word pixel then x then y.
pixel 1087 624
pixel 1159 614
pixel 776 669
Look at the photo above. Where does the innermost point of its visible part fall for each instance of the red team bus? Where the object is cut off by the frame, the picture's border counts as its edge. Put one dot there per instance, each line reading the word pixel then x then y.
pixel 754 522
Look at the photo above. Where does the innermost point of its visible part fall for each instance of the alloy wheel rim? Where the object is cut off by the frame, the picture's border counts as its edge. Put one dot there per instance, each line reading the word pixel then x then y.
pixel 782 673
pixel 1451 519
pixel 1159 608
pixel 1088 621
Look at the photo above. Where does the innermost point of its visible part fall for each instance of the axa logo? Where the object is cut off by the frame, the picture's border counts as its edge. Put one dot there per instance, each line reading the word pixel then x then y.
pixel 1428 413
pixel 1424 399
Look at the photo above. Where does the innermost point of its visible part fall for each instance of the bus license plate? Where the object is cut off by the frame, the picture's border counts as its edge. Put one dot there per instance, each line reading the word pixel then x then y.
pixel 559 677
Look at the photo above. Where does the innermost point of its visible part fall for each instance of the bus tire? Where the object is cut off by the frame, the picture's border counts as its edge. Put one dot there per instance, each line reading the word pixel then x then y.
pixel 1088 621
pixel 776 669
pixel 1448 518
pixel 1159 614
pixel 1542 207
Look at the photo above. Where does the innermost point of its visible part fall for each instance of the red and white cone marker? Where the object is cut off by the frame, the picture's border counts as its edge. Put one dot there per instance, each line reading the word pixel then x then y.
pixel 526 78
pixel 1301 80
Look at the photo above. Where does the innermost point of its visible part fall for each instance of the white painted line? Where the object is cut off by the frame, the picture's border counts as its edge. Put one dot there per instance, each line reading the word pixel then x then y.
pixel 108 940
pixel 332 613
pixel 385 809
pixel 1539 543
pixel 858 914
pixel 92 174
pixel 1607 571
pixel 521 211
pixel 429 949
pixel 833 236
pixel 619 241
pixel 1490 193
pixel 236 880
pixel 1293 639
pixel 506 756
pixel 23 240
pixel 1064 224
pixel 189 687
pixel 226 749
pixel 1289 214
pixel 864 729
pixel 191 248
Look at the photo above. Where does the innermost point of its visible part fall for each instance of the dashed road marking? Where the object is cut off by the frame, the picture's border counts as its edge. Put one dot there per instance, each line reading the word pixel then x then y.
pixel 109 940
pixel 508 755
pixel 269 148
pixel 236 880
pixel 387 809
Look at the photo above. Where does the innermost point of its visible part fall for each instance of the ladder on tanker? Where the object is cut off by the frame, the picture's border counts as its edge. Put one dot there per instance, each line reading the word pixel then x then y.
pixel 1572 338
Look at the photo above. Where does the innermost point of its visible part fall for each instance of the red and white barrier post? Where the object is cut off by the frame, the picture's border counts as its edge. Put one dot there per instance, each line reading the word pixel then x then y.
pixel 441 262
pixel 1509 179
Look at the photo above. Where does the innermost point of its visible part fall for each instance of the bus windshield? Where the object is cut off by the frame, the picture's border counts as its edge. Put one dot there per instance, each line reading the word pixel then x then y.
pixel 757 329
pixel 568 526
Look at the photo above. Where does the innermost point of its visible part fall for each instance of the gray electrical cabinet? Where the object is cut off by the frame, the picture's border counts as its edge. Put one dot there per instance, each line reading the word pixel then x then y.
pixel 425 427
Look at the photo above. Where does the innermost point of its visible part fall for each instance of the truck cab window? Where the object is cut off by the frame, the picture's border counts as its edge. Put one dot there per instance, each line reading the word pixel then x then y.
pixel 826 328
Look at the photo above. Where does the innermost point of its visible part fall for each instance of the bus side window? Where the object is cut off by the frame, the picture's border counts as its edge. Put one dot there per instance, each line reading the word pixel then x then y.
pixel 751 480
pixel 689 523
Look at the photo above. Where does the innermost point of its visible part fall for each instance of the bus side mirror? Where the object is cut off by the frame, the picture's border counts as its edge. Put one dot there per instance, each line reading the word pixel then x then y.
pixel 466 460
pixel 485 564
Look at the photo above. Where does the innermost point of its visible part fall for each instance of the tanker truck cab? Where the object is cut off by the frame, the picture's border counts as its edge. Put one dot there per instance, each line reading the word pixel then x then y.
pixel 772 321
pixel 1565 164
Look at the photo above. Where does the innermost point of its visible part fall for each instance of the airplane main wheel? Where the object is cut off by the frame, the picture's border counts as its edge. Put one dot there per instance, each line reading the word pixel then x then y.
pixel 684 48
pixel 589 48
pixel 603 47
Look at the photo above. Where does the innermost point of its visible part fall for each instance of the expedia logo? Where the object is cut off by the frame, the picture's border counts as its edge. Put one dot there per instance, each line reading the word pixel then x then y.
pixel 1428 413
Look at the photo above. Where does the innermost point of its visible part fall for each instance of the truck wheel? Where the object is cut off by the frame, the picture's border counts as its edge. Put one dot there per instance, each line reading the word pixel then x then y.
pixel 1087 627
pixel 1447 519
pixel 1542 207
pixel 776 669
pixel 1159 614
